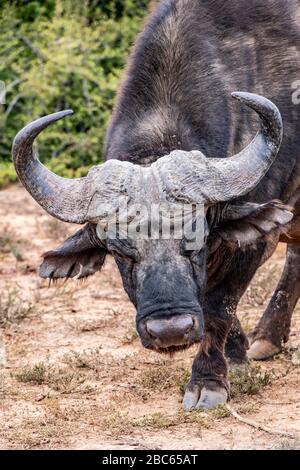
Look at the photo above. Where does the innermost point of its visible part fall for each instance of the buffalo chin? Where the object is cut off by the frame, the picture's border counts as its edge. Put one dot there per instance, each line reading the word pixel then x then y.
pixel 170 350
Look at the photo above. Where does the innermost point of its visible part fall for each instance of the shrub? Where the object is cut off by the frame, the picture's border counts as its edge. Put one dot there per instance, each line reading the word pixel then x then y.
pixel 60 54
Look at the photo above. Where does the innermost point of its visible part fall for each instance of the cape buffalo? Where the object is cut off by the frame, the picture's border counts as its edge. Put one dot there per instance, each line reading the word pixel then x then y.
pixel 177 136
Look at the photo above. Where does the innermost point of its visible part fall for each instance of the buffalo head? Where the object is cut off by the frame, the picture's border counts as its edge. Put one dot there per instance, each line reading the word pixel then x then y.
pixel 164 278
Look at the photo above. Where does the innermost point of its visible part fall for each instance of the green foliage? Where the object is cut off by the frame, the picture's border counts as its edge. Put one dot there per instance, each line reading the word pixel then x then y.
pixel 7 173
pixel 60 54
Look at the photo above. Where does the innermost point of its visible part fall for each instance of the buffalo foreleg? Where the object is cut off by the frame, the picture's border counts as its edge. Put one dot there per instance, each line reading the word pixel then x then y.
pixel 209 385
pixel 237 343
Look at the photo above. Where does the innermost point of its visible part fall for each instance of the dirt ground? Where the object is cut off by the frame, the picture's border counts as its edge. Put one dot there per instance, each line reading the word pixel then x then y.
pixel 74 375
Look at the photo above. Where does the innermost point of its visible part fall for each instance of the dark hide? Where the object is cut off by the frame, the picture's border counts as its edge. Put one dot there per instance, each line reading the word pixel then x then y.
pixel 190 57
pixel 242 224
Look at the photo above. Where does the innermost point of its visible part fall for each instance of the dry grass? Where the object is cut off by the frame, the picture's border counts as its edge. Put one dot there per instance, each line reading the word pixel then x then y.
pixel 13 308
pixel 121 423
pixel 86 359
pixel 249 380
pixel 53 422
pixel 3 386
pixel 164 376
pixel 295 357
pixel 101 365
pixel 220 412
pixel 59 291
pixel 5 242
pixel 246 407
pixel 41 432
pixel 58 379
pixel 58 297
pixel 64 381
pixel 35 375
pixel 164 421
pixel 286 444
pixel 56 424
pixel 9 243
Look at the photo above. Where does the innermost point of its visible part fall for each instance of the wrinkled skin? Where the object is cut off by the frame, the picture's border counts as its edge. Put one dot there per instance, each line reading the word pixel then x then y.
pixel 176 97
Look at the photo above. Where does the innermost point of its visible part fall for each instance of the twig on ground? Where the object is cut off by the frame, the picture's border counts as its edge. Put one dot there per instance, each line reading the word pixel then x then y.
pixel 255 425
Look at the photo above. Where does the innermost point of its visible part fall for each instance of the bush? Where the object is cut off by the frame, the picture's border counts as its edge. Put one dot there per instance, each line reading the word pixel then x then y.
pixel 7 174
pixel 56 55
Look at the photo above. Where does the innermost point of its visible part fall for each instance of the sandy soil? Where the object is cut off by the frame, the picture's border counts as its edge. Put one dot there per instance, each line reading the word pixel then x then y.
pixel 74 374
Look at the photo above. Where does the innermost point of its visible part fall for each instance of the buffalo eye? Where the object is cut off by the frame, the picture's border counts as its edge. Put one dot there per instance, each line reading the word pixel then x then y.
pixel 122 249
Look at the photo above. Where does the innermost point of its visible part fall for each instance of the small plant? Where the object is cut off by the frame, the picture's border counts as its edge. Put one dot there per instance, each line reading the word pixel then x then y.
pixel 100 363
pixel 87 359
pixel 247 408
pixel 17 253
pixel 116 422
pixel 156 421
pixel 9 244
pixel 220 412
pixel 249 380
pixel 296 357
pixel 164 376
pixel 287 444
pixel 183 380
pixel 121 423
pixel 13 309
pixel 37 432
pixel 2 386
pixel 35 375
pixel 64 381
pixel 59 379
pixel 4 243
pixel 7 174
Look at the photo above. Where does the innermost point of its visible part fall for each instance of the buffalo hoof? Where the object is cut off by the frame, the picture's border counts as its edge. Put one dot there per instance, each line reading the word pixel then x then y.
pixel 262 349
pixel 194 399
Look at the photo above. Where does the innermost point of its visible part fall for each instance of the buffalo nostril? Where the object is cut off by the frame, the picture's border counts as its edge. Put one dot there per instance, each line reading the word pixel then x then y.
pixel 177 326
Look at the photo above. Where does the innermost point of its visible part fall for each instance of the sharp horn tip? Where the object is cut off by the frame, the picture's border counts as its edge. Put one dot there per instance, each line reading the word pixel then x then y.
pixel 67 112
pixel 60 114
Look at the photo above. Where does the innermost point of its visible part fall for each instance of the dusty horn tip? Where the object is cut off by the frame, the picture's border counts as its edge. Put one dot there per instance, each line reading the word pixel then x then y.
pixel 255 101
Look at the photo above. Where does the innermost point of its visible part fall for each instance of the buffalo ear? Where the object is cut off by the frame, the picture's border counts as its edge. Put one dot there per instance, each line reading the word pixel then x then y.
pixel 245 223
pixel 79 255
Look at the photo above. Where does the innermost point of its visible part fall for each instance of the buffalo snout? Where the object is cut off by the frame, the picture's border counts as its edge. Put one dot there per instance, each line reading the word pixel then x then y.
pixel 176 331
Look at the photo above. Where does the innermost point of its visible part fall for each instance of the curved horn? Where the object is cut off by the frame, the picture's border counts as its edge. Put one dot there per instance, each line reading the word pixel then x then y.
pixel 65 199
pixel 192 177
pixel 238 175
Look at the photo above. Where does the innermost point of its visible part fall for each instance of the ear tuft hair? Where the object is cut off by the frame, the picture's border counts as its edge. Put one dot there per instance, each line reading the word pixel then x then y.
pixel 79 256
pixel 245 223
